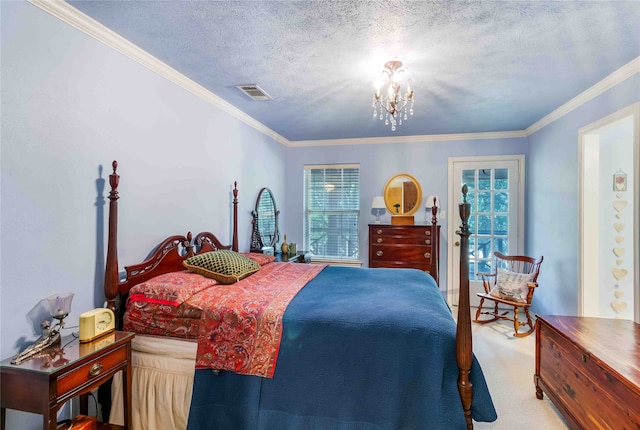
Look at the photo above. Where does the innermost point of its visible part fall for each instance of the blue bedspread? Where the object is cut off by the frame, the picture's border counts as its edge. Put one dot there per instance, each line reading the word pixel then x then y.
pixel 361 349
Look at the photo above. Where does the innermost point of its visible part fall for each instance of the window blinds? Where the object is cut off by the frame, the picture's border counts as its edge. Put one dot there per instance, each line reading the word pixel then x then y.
pixel 332 209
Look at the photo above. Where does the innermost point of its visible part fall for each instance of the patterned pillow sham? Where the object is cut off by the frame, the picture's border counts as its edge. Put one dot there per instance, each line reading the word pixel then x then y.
pixel 512 285
pixel 171 289
pixel 226 267
pixel 261 259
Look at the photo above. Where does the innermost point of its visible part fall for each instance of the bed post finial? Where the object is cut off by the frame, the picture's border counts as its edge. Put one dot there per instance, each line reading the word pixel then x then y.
pixel 234 241
pixel 464 347
pixel 111 269
pixel 434 270
pixel 189 245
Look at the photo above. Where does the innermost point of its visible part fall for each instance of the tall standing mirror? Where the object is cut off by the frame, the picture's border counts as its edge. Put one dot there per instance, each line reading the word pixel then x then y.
pixel 265 221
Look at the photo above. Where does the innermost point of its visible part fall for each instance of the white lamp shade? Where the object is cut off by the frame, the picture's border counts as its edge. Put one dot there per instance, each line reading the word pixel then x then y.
pixel 378 203
pixel 429 203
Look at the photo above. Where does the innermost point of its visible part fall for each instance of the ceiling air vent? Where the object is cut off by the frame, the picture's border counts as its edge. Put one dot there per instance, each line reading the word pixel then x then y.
pixel 255 92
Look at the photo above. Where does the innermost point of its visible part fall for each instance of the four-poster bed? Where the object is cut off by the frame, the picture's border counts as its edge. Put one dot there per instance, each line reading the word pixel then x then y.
pixel 357 348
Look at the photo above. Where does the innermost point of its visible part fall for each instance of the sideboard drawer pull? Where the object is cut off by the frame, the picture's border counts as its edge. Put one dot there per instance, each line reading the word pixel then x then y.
pixel 427 255
pixel 379 253
pixel 379 240
pixel 95 369
pixel 427 241
pixel 378 231
pixel 427 232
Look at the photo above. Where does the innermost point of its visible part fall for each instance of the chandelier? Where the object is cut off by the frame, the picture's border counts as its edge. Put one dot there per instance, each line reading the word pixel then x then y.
pixel 393 106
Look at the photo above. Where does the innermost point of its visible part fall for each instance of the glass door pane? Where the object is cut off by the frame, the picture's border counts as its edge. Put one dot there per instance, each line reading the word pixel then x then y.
pixel 489 220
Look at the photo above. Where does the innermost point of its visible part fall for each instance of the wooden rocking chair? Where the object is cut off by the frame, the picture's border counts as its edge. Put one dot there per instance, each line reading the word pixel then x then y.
pixel 511 271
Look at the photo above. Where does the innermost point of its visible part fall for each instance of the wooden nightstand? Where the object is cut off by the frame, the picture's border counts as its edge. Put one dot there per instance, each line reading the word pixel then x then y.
pixel 44 383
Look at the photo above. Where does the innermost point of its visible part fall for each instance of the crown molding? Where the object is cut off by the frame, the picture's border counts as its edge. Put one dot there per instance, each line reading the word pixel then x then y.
pixel 624 72
pixel 72 16
pixel 410 139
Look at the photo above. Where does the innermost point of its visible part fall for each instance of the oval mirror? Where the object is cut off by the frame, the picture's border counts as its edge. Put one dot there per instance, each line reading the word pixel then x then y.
pixel 402 195
pixel 265 221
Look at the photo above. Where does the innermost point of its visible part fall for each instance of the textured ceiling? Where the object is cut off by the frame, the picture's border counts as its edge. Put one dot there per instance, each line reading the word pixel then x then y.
pixel 475 66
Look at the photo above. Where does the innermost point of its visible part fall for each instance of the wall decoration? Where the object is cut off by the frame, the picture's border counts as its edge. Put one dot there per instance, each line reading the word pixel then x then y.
pixel 619 273
pixel 619 181
pixel 618 306
pixel 618 205
pixel 619 184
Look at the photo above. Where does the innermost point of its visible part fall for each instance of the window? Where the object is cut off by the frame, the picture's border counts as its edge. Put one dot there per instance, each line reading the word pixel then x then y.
pixel 331 211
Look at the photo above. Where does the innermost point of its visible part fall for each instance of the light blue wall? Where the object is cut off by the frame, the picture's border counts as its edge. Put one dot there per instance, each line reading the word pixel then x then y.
pixel 426 161
pixel 552 197
pixel 71 105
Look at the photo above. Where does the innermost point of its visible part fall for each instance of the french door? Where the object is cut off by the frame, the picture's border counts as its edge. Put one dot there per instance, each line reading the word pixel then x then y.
pixel 496 195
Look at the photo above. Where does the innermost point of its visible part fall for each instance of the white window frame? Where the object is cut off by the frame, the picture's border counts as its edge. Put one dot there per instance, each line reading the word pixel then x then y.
pixel 337 260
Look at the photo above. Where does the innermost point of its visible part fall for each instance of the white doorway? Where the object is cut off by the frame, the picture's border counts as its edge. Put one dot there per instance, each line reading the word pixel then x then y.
pixel 496 194
pixel 608 204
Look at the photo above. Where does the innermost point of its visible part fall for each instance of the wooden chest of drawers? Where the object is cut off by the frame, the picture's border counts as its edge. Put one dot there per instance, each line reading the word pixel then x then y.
pixel 590 369
pixel 402 246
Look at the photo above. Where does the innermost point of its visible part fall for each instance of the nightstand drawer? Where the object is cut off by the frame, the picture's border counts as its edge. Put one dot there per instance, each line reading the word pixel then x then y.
pixel 91 371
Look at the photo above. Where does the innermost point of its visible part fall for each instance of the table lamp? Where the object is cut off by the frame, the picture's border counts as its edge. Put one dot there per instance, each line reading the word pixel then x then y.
pixel 59 306
pixel 378 207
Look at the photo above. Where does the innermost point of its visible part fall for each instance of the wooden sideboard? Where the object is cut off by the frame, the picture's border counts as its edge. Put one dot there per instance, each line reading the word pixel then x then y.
pixel 590 369
pixel 402 246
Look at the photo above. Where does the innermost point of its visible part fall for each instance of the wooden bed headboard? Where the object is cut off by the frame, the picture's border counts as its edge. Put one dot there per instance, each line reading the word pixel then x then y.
pixel 166 257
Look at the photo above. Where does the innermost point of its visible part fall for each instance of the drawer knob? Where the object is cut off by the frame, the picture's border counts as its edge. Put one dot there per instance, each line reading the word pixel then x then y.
pixel 378 231
pixel 427 232
pixel 427 241
pixel 95 369
pixel 379 253
pixel 379 240
pixel 427 255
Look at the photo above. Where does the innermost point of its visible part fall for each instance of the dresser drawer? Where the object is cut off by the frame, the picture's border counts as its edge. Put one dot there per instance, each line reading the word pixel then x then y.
pixel 416 232
pixel 91 371
pixel 404 253
pixel 400 240
pixel 402 265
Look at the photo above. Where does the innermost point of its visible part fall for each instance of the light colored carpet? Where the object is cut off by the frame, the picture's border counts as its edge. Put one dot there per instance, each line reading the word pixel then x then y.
pixel 508 364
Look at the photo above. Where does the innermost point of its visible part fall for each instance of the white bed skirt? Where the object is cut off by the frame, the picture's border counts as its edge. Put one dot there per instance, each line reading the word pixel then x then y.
pixel 162 376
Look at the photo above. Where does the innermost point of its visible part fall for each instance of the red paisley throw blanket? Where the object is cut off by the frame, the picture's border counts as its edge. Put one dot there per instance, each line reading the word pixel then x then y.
pixel 241 329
